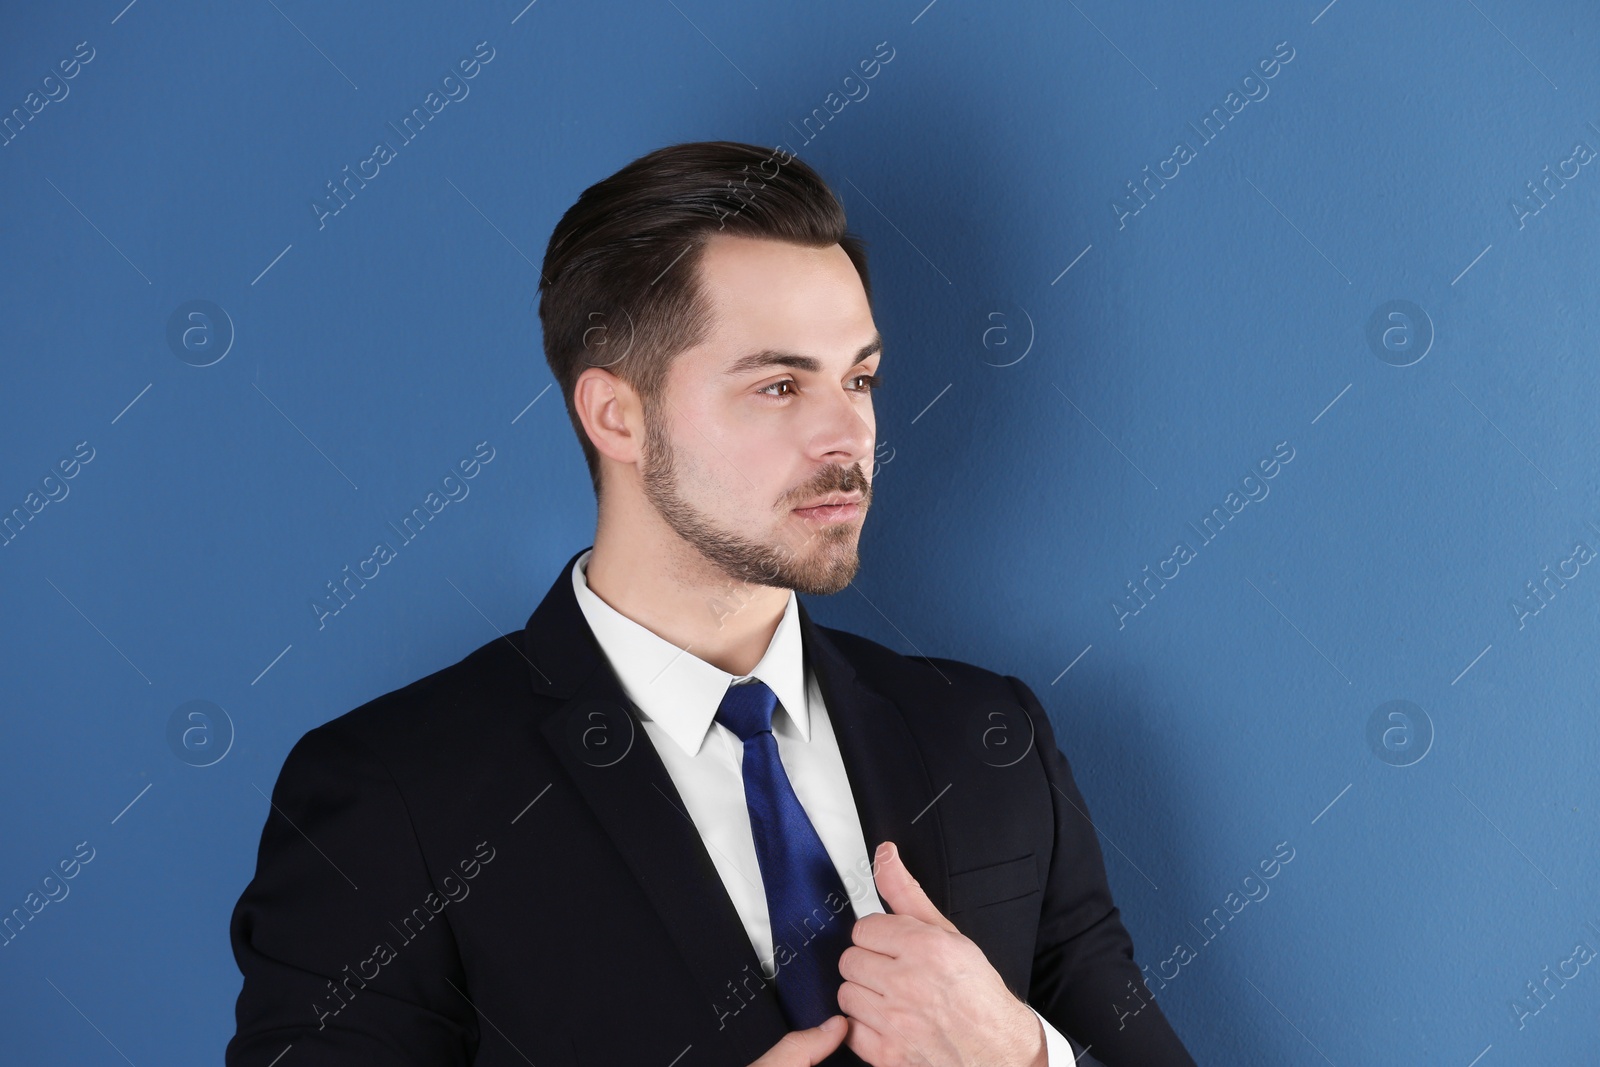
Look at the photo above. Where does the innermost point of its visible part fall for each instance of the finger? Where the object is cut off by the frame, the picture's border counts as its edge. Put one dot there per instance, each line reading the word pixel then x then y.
pixel 901 891
pixel 806 1048
pixel 886 934
pixel 869 1028
pixel 866 968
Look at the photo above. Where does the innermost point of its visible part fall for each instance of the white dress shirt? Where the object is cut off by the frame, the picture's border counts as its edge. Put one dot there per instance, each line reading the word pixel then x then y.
pixel 678 695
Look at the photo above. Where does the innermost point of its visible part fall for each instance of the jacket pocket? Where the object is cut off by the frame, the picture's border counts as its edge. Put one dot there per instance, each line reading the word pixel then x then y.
pixel 994 884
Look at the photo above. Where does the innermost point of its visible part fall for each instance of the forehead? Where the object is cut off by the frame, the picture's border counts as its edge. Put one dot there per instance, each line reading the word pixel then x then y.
pixel 774 294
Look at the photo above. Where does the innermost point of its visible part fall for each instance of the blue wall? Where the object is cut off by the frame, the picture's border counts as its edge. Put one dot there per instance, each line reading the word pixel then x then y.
pixel 1346 280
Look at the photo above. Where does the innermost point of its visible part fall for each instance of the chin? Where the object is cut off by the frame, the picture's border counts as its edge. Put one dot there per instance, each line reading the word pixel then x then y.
pixel 828 564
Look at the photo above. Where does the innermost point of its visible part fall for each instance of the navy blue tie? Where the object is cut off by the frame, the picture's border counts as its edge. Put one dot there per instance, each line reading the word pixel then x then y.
pixel 806 900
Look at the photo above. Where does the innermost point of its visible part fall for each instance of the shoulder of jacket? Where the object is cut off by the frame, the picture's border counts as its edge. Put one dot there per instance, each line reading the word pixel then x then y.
pixel 876 662
pixel 494 675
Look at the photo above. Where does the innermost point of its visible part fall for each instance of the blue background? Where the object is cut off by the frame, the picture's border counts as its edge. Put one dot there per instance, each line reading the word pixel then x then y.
pixel 1045 433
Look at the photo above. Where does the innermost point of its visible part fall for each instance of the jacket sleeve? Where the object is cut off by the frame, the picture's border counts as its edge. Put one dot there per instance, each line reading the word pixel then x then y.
pixel 1083 959
pixel 341 936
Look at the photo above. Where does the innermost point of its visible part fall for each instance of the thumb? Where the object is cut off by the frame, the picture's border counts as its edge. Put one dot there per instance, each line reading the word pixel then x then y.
pixel 805 1048
pixel 902 892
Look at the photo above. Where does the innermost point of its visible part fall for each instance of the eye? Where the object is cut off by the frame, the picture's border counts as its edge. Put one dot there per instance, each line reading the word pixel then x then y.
pixel 872 382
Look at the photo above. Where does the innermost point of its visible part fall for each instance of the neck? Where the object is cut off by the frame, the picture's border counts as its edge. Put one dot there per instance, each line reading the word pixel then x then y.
pixel 667 587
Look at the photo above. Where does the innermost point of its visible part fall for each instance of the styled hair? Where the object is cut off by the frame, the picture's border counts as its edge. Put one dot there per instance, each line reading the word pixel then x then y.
pixel 621 287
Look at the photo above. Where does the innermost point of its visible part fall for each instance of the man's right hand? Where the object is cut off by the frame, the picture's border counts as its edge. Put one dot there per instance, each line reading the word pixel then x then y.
pixel 806 1048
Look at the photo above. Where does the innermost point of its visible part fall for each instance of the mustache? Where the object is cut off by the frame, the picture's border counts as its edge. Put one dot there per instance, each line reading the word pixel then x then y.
pixel 839 480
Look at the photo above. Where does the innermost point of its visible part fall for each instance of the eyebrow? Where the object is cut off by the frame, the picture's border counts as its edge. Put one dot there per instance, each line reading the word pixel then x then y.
pixel 773 358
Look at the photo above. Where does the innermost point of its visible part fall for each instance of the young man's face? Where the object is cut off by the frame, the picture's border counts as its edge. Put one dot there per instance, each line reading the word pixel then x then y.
pixel 772 412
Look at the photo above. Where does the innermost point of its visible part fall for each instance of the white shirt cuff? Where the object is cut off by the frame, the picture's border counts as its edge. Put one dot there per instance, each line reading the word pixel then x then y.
pixel 1058 1050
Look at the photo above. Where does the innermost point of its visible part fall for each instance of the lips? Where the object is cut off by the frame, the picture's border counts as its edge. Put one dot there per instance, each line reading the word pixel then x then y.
pixel 828 514
pixel 831 500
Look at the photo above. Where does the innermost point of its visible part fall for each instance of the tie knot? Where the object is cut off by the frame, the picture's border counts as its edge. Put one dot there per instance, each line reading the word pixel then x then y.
pixel 746 708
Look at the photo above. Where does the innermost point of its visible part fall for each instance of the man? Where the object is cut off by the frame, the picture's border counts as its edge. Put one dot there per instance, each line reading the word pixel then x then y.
pixel 638 830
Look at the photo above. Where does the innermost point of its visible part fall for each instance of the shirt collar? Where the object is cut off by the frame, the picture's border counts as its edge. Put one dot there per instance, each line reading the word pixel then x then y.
pixel 677 689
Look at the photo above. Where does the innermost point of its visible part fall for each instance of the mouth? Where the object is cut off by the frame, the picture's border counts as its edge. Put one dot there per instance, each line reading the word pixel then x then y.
pixel 837 507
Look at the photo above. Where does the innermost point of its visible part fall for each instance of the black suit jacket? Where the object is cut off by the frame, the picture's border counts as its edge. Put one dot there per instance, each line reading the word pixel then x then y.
pixel 492 866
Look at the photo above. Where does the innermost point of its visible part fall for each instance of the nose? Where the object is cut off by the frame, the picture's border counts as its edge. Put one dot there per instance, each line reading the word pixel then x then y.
pixel 844 434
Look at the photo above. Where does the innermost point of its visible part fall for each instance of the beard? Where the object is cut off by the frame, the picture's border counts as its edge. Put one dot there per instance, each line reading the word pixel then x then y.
pixel 819 563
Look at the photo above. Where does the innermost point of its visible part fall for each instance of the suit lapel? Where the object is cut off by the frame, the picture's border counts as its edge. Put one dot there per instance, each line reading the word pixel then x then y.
pixel 893 795
pixel 597 737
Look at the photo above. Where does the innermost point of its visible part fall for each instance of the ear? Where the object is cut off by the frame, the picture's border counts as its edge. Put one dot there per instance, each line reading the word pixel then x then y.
pixel 611 414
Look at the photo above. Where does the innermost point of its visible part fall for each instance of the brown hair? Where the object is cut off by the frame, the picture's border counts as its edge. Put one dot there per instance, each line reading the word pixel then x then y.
pixel 620 289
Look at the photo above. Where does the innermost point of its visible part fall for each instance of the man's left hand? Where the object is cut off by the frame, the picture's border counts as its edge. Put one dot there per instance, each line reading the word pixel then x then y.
pixel 918 991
